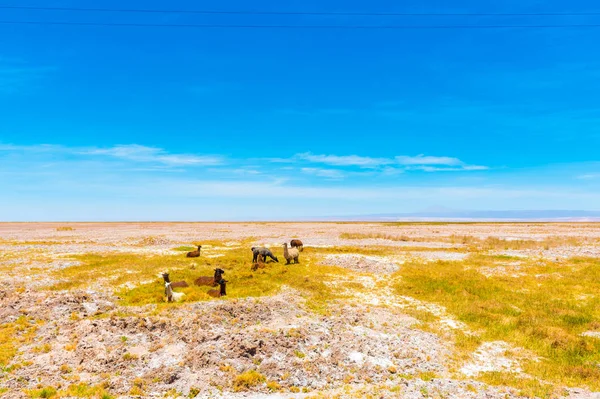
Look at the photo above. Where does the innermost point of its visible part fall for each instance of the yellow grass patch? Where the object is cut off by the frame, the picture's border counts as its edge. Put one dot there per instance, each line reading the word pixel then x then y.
pixel 539 311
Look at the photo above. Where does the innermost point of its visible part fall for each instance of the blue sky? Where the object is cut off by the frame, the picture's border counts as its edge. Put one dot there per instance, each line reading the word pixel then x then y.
pixel 124 123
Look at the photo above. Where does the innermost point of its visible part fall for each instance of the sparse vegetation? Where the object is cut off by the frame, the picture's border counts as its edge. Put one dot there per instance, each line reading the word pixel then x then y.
pixel 539 305
pixel 273 386
pixel 248 380
pixel 526 386
pixel 495 243
pixel 83 390
pixel 242 282
pixel 184 248
pixel 45 393
pixel 12 336
pixel 541 314
pixel 362 236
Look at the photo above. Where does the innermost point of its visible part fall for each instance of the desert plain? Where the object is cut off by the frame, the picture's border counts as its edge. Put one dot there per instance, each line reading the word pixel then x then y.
pixel 372 310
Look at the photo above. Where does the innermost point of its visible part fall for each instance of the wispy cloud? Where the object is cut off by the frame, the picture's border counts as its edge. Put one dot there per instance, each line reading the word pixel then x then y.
pixel 315 112
pixel 32 148
pixel 140 153
pixel 332 174
pixel 131 152
pixel 344 160
pixel 276 188
pixel 426 168
pixel 17 76
pixel 427 160
pixel 391 171
pixel 390 165
pixel 589 176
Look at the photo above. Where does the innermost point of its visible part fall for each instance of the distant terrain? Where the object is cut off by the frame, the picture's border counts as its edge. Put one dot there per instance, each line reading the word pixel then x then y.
pixel 480 215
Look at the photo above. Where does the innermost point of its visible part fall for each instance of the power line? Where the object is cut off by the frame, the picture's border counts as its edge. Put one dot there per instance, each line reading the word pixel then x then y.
pixel 365 27
pixel 331 13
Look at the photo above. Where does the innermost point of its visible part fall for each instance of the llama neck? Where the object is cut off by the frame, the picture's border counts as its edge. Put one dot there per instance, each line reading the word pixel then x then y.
pixel 285 250
pixel 168 291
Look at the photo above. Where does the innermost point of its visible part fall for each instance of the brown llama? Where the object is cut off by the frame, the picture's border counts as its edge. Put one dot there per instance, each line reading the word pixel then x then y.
pixel 259 264
pixel 220 292
pixel 194 254
pixel 210 281
pixel 297 244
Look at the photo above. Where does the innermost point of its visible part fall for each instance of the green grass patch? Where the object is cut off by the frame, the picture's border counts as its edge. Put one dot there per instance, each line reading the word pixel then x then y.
pixel 541 314
pixel 12 336
pixel 362 236
pixel 47 392
pixel 83 390
pixel 247 380
pixel 185 248
pixel 80 390
pixel 527 387
pixel 475 244
pixel 143 272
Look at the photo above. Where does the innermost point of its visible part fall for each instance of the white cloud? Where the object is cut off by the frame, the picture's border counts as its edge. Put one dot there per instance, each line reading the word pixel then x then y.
pixel 131 152
pixel 419 162
pixel 589 176
pixel 326 173
pixel 391 171
pixel 32 148
pixel 427 160
pixel 345 160
pixel 426 168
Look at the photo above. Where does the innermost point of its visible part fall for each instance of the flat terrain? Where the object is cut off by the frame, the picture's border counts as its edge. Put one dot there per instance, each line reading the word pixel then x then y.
pixel 373 310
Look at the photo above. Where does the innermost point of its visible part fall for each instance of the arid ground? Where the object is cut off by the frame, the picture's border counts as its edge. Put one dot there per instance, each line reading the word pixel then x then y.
pixel 373 310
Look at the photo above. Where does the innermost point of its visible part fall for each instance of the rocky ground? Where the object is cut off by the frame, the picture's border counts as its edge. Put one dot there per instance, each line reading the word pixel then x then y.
pixel 365 345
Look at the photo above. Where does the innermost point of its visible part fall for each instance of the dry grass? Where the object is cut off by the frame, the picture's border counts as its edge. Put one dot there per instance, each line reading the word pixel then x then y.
pixel 73 391
pixel 143 272
pixel 494 243
pixel 247 380
pixel 539 312
pixel 361 236
pixel 543 308
pixel 12 336
pixel 528 387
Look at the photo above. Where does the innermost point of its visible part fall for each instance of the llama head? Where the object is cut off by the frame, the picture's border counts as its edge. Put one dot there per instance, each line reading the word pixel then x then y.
pixel 252 249
pixel 166 277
